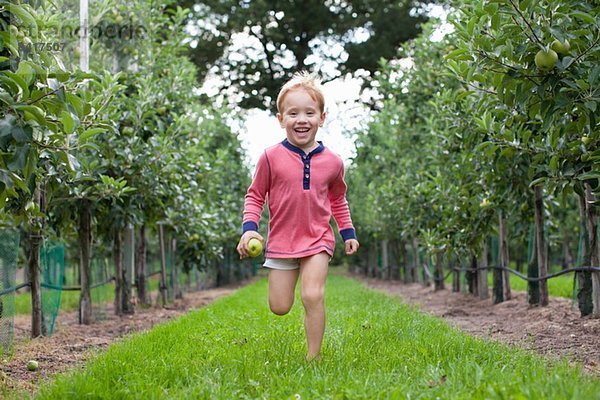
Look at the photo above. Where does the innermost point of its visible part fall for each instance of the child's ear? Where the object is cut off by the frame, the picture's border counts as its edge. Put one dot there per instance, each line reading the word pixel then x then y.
pixel 323 116
pixel 280 119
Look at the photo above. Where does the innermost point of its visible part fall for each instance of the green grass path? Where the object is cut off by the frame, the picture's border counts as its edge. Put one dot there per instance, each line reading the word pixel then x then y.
pixel 375 348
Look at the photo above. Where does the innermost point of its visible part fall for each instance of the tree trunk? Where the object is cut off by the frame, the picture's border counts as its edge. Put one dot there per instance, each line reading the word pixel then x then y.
pixel 163 265
pixel 584 294
pixel 403 260
pixel 128 263
pixel 141 281
pixel 415 267
pixel 541 244
pixel 533 288
pixel 470 275
pixel 504 259
pixel 455 277
pixel 385 260
pixel 85 273
pixel 482 276
pixel 594 248
pixel 439 272
pixel 426 270
pixel 34 275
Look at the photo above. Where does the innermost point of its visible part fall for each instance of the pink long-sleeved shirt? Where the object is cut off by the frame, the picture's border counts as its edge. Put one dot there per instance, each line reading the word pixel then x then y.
pixel 303 191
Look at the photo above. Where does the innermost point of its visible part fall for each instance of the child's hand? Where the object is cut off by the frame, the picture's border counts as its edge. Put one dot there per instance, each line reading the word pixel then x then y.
pixel 242 246
pixel 352 246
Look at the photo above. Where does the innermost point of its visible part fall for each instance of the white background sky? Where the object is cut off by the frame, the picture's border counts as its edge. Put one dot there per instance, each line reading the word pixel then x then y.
pixel 345 112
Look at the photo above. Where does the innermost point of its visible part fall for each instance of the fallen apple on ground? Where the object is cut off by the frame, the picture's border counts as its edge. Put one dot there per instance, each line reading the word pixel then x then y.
pixel 32 365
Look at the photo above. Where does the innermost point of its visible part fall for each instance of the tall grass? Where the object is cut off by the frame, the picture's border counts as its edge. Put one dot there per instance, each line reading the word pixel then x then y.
pixel 375 347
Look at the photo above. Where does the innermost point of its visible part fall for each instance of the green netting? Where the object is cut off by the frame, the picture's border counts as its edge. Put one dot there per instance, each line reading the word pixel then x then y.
pixel 102 291
pixel 9 246
pixel 52 271
pixel 578 263
pixel 170 277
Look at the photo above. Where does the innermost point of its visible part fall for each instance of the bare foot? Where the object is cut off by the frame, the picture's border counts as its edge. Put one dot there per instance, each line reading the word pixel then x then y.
pixel 311 358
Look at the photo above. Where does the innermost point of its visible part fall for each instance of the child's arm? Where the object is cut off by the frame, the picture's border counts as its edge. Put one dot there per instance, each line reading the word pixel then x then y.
pixel 254 203
pixel 341 212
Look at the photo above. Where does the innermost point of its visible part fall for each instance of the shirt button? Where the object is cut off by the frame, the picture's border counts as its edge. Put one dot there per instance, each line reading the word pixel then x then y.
pixel 307 176
pixel 306 166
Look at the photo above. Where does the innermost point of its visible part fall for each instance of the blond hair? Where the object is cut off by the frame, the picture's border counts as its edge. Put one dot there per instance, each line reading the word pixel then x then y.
pixel 303 80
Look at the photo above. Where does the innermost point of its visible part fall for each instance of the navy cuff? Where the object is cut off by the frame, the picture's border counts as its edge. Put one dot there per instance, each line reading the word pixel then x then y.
pixel 349 233
pixel 249 226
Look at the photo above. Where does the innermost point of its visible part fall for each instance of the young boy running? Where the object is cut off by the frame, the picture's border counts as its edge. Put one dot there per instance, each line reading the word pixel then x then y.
pixel 304 183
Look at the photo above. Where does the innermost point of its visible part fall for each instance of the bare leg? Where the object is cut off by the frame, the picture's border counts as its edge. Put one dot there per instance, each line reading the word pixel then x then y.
pixel 313 272
pixel 282 285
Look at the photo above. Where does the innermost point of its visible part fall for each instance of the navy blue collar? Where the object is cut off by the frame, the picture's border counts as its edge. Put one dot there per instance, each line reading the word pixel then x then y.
pixel 298 150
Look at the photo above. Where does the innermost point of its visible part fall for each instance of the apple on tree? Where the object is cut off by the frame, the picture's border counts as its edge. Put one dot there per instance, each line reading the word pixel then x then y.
pixel 560 47
pixel 546 60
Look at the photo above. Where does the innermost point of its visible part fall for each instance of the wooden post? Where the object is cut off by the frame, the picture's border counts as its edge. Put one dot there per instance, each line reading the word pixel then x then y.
pixel 584 294
pixel 482 278
pixel 163 265
pixel 34 275
pixel 594 248
pixel 85 273
pixel 541 243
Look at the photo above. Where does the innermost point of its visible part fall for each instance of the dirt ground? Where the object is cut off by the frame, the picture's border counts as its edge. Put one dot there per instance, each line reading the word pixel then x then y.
pixel 72 344
pixel 555 330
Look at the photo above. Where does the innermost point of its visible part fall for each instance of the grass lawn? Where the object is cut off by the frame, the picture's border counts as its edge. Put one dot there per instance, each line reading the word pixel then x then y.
pixel 375 348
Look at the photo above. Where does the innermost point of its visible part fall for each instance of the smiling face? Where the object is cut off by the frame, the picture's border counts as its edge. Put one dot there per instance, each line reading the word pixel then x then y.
pixel 301 117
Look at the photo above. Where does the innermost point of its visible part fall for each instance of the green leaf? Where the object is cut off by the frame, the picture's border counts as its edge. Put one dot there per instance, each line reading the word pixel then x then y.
pixel 22 84
pixel 537 181
pixel 68 121
pixel 585 17
pixel 17 163
pixel 591 105
pixel 24 16
pixel 554 163
pixel 89 133
pixel 589 175
pixel 34 113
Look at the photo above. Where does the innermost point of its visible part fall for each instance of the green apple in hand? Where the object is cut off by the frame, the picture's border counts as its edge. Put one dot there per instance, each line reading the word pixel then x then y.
pixel 255 247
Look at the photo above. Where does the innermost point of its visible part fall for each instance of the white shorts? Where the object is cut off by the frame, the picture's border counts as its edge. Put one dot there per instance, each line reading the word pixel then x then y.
pixel 283 264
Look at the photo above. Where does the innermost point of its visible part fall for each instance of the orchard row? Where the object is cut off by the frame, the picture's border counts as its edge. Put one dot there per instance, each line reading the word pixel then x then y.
pixel 87 154
pixel 488 132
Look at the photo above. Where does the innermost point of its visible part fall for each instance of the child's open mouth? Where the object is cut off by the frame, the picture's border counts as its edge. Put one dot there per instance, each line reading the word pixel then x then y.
pixel 302 131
